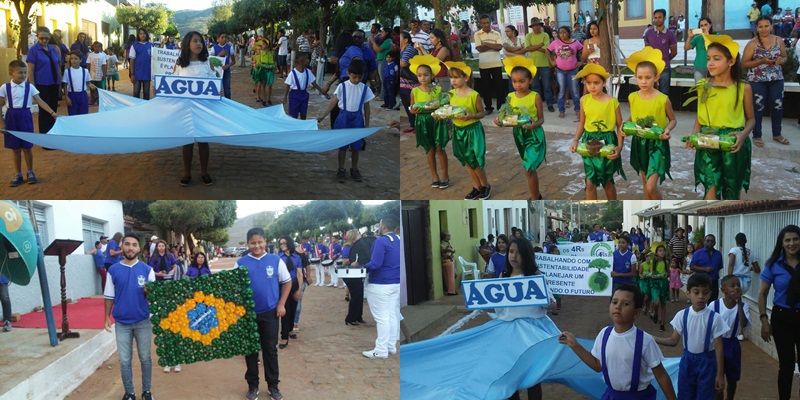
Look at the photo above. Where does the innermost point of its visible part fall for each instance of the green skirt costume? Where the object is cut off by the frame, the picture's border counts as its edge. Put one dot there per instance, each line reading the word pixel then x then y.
pixel 431 133
pixel 264 73
pixel 531 146
pixel 469 144
pixel 600 170
pixel 728 172
pixel 644 285
pixel 659 289
pixel 651 157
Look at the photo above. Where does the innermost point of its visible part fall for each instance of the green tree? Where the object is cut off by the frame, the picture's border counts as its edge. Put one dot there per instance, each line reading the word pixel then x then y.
pixel 23 8
pixel 172 30
pixel 612 215
pixel 137 209
pixel 218 236
pixel 193 217
pixel 153 17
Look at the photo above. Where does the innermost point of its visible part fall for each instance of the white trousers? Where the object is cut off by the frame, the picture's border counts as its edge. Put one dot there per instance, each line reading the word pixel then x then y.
pixel 320 275
pixel 334 275
pixel 384 303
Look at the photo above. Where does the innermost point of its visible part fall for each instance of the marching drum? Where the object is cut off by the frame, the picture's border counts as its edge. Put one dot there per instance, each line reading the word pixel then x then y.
pixel 313 260
pixel 339 263
pixel 351 272
pixel 327 263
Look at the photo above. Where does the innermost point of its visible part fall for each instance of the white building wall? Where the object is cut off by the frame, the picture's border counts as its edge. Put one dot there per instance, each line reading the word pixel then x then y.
pixel 64 220
pixel 496 220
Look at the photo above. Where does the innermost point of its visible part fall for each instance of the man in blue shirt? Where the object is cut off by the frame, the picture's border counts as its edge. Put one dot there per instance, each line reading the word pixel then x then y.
pixel 224 49
pixel 708 261
pixel 383 290
pixel 125 295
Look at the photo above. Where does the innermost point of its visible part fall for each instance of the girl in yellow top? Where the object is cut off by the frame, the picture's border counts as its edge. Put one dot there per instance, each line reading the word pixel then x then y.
pixel 650 158
pixel 726 103
pixel 601 119
pixel 469 142
pixel 431 134
pixel 263 74
pixel 528 138
pixel 659 286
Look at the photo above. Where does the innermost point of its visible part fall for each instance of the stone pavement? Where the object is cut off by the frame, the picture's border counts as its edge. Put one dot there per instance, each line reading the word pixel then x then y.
pixel 239 172
pixel 585 316
pixel 775 167
pixel 325 362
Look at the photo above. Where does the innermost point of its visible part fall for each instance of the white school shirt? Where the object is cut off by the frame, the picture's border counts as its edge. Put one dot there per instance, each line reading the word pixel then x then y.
pixel 302 79
pixel 697 322
pixel 738 262
pixel 95 62
pixel 17 94
pixel 512 313
pixel 729 314
pixel 353 95
pixel 619 357
pixel 77 75
pixel 283 48
pixel 195 68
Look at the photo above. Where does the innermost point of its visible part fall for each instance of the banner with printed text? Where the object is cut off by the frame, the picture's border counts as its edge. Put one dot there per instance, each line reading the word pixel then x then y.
pixel 163 61
pixel 505 292
pixel 577 275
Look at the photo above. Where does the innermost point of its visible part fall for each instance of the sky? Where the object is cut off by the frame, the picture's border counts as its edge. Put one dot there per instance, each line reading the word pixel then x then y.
pixel 176 5
pixel 248 207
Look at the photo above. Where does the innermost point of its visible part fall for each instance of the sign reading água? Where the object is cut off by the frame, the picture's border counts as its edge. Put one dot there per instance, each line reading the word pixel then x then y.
pixel 188 87
pixel 505 292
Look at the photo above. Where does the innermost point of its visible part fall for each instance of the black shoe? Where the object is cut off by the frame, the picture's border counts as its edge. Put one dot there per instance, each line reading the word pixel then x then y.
pixel 283 345
pixel 186 180
pixel 655 319
pixel 341 175
pixel 252 394
pixel 488 110
pixel 444 184
pixel 472 195
pixel 129 396
pixel 354 323
pixel 263 104
pixel 486 192
pixel 661 328
pixel 550 108
pixel 275 393
pixel 207 180
pixel 435 184
pixel 356 175
pixel 147 396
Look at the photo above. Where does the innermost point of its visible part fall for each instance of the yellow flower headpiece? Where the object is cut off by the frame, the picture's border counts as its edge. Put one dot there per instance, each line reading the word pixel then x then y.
pixel 459 65
pixel 592 69
pixel 428 60
pixel 524 62
pixel 724 40
pixel 646 54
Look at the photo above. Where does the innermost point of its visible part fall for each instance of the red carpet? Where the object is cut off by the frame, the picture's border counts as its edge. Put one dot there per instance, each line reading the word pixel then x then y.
pixel 86 314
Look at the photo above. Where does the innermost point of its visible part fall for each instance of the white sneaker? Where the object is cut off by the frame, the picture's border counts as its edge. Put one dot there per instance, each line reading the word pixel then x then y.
pixel 178 368
pixel 740 337
pixel 392 351
pixel 373 354
pixel 329 285
pixel 167 369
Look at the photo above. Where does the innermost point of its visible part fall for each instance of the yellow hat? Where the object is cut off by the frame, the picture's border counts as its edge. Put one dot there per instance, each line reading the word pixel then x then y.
pixel 520 61
pixel 724 40
pixel 592 69
pixel 459 65
pixel 428 60
pixel 646 54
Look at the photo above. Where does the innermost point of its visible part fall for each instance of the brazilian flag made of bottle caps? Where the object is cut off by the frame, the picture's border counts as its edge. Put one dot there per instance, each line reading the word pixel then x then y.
pixel 203 318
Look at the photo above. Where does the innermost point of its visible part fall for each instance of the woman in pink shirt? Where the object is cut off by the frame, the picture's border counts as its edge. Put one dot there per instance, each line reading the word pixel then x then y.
pixel 564 53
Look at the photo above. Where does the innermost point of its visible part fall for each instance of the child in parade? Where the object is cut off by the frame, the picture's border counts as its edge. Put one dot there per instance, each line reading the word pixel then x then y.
pixel 264 72
pixel 295 97
pixel 601 117
pixel 624 353
pixel 75 82
pixel 725 102
pixel 645 277
pixel 469 142
pixel 360 96
pixel 97 61
pixel 20 97
pixel 198 267
pixel 113 71
pixel 659 287
pixel 431 133
pixel 736 315
pixel 625 267
pixel 650 157
pixel 675 283
pixel 193 61
pixel 529 138
pixel 389 80
pixel 701 367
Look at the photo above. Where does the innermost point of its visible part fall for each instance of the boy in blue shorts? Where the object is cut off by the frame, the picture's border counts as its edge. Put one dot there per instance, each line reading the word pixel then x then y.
pixel 20 95
pixel 624 353
pixel 75 83
pixel 297 91
pixel 736 314
pixel 351 106
pixel 390 80
pixel 701 368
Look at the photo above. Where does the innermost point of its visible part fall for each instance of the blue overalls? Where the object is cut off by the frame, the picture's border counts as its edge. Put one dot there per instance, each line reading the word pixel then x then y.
pixel 79 99
pixel 634 393
pixel 351 119
pixel 298 98
pixel 697 371
pixel 18 119
pixel 731 349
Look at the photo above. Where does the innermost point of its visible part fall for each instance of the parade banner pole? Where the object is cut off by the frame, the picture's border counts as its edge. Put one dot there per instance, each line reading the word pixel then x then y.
pixel 45 287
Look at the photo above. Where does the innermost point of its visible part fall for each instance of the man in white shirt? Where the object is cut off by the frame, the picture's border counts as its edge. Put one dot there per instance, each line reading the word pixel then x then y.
pixel 283 52
pixel 488 43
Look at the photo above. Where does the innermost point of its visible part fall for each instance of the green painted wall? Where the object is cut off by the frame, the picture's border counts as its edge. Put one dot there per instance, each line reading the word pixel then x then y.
pixel 456 217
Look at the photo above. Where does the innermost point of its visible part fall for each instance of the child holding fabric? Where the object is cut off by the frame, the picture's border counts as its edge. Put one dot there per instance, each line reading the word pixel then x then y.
pixel 601 117
pixel 431 133
pixel 650 157
pixel 469 142
pixel 529 138
pixel 726 105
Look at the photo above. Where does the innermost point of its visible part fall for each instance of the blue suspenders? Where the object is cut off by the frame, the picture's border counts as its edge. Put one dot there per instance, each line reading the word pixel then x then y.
pixel 686 331
pixel 24 99
pixel 637 358
pixel 735 320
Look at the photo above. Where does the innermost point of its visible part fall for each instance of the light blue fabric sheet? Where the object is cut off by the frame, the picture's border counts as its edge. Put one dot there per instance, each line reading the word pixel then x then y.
pixel 495 359
pixel 129 125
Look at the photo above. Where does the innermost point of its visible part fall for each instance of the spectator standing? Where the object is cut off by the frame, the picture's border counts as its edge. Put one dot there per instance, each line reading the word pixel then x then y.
pixel 536 44
pixel 381 45
pixel 488 43
pixel 5 299
pixel 564 54
pixel 752 14
pixel 698 43
pixel 419 36
pixel 677 247
pixel 766 10
pixel 465 34
pixel 661 38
